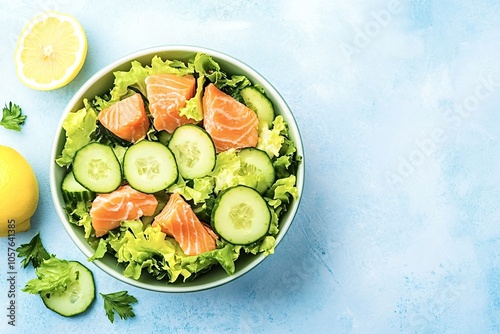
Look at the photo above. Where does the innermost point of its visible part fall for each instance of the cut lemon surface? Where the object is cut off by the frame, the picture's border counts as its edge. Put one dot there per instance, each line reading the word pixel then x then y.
pixel 50 51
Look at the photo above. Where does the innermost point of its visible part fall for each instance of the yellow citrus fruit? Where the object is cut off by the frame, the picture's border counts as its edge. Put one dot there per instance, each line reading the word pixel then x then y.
pixel 18 192
pixel 50 51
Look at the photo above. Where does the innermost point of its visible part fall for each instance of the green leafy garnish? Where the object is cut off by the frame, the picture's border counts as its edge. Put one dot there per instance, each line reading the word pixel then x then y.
pixel 12 117
pixel 33 252
pixel 118 302
pixel 53 275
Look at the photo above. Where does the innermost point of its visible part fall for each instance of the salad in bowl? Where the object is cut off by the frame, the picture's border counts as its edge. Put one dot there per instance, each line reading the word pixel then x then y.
pixel 177 169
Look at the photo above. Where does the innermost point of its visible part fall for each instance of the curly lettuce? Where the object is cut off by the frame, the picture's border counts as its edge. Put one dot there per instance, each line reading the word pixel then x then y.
pixel 206 68
pixel 149 249
pixel 199 192
pixel 136 76
pixel 271 139
pixel 79 127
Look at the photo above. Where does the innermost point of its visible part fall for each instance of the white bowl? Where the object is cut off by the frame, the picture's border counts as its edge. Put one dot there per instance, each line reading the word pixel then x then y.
pixel 99 84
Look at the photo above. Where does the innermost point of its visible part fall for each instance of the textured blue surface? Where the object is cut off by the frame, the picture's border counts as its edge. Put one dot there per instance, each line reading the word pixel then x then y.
pixel 398 105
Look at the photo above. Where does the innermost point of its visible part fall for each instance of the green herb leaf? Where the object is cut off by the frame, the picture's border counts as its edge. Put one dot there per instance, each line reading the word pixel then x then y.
pixel 12 117
pixel 33 252
pixel 118 302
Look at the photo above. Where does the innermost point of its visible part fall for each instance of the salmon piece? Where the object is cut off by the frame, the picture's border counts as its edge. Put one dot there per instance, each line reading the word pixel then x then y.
pixel 127 118
pixel 125 203
pixel 167 93
pixel 178 220
pixel 230 123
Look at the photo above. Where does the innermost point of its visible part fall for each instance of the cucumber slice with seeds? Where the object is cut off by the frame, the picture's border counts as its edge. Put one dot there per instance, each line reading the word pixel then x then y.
pixel 77 297
pixel 194 151
pixel 257 162
pixel 149 166
pixel 241 215
pixel 96 167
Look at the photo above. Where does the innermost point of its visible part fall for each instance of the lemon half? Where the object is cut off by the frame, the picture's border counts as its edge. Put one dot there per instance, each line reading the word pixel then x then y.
pixel 50 51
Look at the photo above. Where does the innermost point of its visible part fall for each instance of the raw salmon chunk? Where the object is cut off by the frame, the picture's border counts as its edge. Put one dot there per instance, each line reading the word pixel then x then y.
pixel 167 93
pixel 230 123
pixel 178 220
pixel 125 203
pixel 127 118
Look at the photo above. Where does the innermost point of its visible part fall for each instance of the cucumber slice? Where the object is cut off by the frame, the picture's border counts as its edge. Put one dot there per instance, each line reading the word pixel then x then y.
pixel 78 296
pixel 256 161
pixel 149 166
pixel 241 215
pixel 194 151
pixel 96 168
pixel 74 191
pixel 258 102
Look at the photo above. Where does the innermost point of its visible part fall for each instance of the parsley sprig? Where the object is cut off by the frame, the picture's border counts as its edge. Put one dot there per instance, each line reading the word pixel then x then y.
pixel 33 252
pixel 12 117
pixel 118 302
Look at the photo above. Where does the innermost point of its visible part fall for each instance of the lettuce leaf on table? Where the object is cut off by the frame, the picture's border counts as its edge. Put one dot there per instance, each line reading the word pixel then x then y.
pixel 53 275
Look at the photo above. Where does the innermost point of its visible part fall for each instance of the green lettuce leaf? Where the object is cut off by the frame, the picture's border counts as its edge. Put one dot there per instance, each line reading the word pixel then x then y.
pixel 230 171
pixel 224 256
pixel 136 76
pixel 79 127
pixel 281 165
pixel 53 275
pixel 206 68
pixel 226 171
pixel 233 85
pixel 78 214
pixel 193 108
pixel 125 79
pixel 271 140
pixel 266 246
pixel 199 192
pixel 102 248
pixel 151 250
pixel 281 193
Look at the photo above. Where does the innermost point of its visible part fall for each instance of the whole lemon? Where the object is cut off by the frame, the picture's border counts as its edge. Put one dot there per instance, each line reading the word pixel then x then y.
pixel 18 192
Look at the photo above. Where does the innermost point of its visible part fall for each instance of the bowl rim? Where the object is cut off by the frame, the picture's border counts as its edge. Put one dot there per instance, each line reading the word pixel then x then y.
pixel 78 97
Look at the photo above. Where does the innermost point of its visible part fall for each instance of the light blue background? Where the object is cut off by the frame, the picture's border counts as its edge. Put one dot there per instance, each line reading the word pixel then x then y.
pixel 398 105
